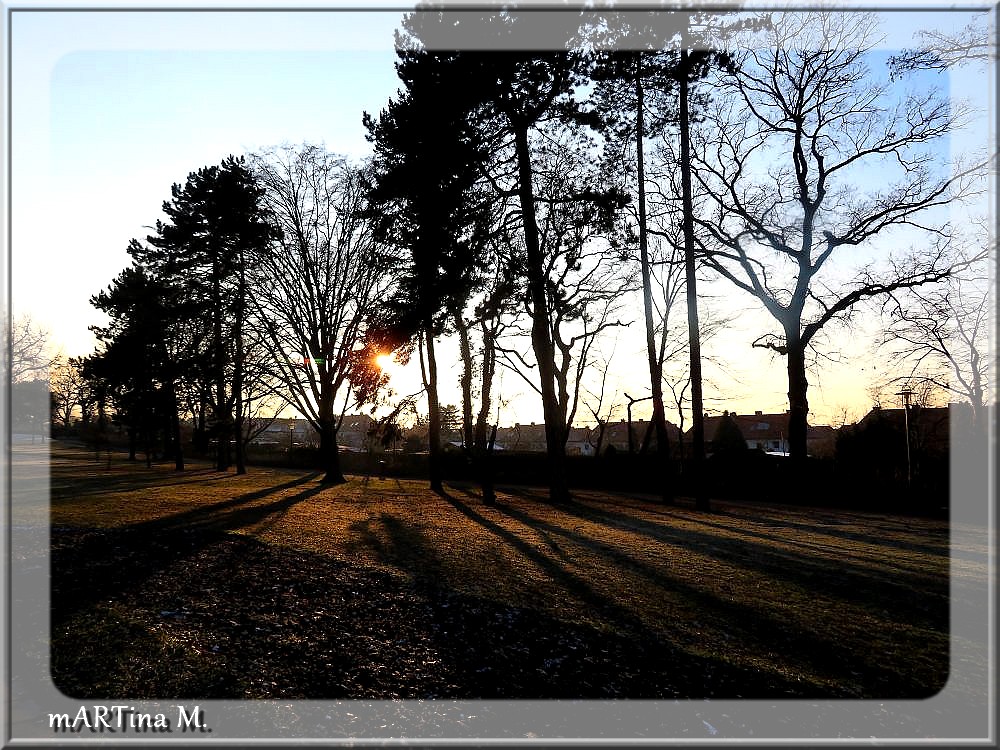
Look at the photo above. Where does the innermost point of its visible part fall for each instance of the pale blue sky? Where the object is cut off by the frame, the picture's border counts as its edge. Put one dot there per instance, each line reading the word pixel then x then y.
pixel 110 108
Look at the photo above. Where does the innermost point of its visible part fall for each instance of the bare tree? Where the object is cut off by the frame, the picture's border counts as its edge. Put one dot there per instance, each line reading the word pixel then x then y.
pixel 313 288
pixel 939 335
pixel 585 286
pixel 670 302
pixel 25 350
pixel 798 137
pixel 601 406
pixel 494 311
pixel 69 389
pixel 262 399
pixel 939 50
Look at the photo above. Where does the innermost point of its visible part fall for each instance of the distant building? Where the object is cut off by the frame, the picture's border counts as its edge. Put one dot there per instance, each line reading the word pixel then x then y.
pixel 769 433
pixel 528 438
pixel 616 435
pixel 581 441
pixel 352 435
pixel 284 430
pixel 578 443
pixel 929 425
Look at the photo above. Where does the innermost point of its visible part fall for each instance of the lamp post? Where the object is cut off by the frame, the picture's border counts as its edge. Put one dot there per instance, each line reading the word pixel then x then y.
pixel 291 432
pixel 906 393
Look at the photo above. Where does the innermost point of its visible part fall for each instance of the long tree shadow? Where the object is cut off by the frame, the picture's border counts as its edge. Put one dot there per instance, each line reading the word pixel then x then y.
pixel 844 555
pixel 763 513
pixel 92 565
pixel 811 647
pixel 859 563
pixel 827 521
pixel 73 486
pixel 68 482
pixel 922 596
pixel 578 587
pixel 496 651
pixel 403 548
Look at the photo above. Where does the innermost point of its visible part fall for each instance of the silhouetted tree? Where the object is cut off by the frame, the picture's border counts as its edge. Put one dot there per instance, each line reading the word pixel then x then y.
pixel 216 224
pixel 315 283
pixel 647 81
pixel 728 438
pixel 938 335
pixel 585 285
pixel 132 363
pixel 25 345
pixel 940 50
pixel 427 191
pixel 795 128
pixel 69 391
pixel 626 78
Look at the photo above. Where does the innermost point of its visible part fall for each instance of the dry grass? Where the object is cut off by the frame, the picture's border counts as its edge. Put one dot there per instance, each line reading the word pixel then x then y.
pixel 750 600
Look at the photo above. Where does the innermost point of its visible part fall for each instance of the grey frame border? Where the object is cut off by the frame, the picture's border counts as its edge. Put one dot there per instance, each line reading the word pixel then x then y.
pixel 558 719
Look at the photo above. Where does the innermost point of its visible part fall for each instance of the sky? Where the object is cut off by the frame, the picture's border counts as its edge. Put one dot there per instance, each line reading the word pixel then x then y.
pixel 109 109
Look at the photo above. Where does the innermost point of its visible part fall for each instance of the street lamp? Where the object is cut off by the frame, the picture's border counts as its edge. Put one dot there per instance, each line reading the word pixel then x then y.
pixel 291 432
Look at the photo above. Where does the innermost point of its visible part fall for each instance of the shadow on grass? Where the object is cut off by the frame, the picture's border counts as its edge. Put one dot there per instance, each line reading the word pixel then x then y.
pixel 74 474
pixel 178 607
pixel 300 625
pixel 105 563
pixel 136 478
pixel 810 648
pixel 495 651
pixel 921 598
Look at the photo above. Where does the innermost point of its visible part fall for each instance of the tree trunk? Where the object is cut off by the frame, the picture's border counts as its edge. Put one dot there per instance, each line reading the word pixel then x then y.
pixel 655 368
pixel 199 439
pixel 694 334
pixel 238 373
pixel 178 448
pixel 484 468
pixel 433 415
pixel 175 426
pixel 601 428
pixel 329 452
pixel 222 417
pixel 482 450
pixel 798 401
pixel 465 349
pixel 541 341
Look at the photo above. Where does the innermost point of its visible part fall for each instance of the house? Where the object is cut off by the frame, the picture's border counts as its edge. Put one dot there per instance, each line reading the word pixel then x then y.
pixel 616 435
pixel 530 438
pixel 767 432
pixel 527 438
pixel 929 426
pixel 284 431
pixel 578 443
pixel 354 429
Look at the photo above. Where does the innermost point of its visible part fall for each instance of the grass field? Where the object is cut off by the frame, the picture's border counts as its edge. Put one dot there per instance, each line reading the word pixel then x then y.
pixel 209 585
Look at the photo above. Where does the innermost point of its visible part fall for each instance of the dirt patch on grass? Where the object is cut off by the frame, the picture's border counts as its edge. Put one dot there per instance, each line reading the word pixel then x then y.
pixel 210 585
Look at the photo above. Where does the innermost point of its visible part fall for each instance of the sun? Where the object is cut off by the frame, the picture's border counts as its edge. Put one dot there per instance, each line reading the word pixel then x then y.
pixel 385 361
